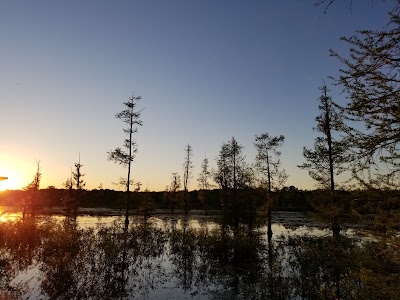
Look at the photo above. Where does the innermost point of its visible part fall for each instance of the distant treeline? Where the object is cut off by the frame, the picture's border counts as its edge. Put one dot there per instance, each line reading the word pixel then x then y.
pixel 290 198
pixel 354 203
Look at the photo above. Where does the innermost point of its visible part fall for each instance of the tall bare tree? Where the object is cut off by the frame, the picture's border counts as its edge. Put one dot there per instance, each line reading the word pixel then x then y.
pixel 187 170
pixel 271 174
pixel 125 155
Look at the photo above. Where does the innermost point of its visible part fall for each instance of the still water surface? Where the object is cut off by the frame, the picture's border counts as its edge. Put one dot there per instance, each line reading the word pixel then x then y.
pixel 182 258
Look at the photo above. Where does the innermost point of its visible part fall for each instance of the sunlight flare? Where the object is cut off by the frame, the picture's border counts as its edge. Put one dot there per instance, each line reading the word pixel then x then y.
pixel 16 172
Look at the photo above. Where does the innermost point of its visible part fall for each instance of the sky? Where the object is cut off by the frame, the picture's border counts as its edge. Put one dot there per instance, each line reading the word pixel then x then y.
pixel 207 71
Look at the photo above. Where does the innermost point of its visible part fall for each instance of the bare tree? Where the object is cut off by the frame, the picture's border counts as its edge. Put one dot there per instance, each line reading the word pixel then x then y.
pixel 268 164
pixel 187 169
pixel 125 155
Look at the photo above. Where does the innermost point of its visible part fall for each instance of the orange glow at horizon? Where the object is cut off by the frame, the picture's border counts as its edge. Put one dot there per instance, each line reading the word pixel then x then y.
pixel 14 181
pixel 8 184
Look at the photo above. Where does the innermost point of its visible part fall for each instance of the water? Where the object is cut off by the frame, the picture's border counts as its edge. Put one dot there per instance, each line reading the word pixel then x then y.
pixel 190 258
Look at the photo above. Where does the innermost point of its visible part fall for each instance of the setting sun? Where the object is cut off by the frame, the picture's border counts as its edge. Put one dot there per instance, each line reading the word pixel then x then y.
pixel 5 183
pixel 1 180
pixel 17 170
pixel 9 180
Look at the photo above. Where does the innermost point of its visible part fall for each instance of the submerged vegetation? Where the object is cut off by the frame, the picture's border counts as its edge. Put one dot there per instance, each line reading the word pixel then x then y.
pixel 60 260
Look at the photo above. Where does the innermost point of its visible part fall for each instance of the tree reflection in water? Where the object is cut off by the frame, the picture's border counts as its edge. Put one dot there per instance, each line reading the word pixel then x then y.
pixel 60 260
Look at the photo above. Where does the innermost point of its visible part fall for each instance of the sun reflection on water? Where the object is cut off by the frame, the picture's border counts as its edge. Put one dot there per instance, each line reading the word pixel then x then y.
pixel 9 216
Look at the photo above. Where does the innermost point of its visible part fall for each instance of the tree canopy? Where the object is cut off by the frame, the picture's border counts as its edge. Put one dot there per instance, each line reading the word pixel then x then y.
pixel 370 77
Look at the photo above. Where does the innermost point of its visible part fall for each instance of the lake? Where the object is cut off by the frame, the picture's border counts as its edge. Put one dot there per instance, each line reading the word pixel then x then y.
pixel 175 257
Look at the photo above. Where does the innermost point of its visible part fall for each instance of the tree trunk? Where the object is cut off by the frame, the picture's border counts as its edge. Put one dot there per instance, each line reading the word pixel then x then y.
pixel 186 202
pixel 269 216
pixel 335 218
pixel 129 170
pixel 270 264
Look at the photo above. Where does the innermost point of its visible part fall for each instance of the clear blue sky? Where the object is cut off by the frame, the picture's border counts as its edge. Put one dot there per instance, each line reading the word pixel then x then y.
pixel 207 70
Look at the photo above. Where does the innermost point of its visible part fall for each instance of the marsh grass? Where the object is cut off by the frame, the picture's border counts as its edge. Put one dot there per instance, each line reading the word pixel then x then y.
pixel 60 260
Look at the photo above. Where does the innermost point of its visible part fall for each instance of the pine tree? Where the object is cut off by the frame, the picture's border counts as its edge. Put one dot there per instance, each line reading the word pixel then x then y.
pixel 232 176
pixel 204 185
pixel 369 77
pixel 268 164
pixel 125 155
pixel 328 158
pixel 31 201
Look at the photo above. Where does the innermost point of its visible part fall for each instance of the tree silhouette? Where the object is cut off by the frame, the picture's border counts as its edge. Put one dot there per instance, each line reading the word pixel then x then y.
pixel 204 185
pixel 146 203
pixel 329 155
pixel 271 176
pixel 370 77
pixel 68 197
pixel 328 3
pixel 172 192
pixel 79 185
pixel 232 175
pixel 187 169
pixel 31 201
pixel 125 155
